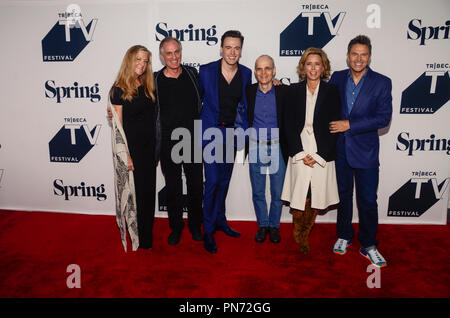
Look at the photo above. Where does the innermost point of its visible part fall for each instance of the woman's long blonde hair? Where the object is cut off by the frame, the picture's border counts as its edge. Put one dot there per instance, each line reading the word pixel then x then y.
pixel 126 80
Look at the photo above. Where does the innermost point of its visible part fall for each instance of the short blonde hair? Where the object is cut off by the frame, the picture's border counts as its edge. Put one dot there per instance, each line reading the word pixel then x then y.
pixel 325 62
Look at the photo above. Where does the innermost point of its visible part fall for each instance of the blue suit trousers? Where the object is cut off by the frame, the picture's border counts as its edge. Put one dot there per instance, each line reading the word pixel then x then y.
pixel 366 184
pixel 217 181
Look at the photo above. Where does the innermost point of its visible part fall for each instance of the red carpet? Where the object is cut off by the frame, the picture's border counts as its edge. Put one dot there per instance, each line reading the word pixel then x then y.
pixel 36 249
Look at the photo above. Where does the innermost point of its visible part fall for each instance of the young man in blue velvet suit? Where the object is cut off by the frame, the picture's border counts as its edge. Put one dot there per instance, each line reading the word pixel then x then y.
pixel 366 107
pixel 222 88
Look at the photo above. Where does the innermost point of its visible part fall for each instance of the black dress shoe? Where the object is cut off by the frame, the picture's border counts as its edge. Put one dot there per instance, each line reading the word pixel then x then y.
pixel 274 235
pixel 229 231
pixel 261 234
pixel 197 235
pixel 174 238
pixel 210 244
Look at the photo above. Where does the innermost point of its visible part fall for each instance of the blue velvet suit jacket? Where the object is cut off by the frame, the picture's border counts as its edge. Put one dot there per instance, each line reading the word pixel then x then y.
pixel 372 110
pixel 209 92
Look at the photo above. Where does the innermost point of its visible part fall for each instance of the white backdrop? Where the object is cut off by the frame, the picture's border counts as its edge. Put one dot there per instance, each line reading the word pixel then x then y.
pixel 55 152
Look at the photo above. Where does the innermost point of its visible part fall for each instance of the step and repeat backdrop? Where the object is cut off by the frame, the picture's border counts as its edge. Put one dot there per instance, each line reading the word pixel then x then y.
pixel 60 58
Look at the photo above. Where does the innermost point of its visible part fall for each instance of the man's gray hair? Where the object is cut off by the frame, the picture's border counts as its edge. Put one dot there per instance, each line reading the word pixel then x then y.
pixel 167 39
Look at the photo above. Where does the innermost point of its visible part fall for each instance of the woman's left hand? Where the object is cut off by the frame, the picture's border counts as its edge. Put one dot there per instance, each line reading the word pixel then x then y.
pixel 309 161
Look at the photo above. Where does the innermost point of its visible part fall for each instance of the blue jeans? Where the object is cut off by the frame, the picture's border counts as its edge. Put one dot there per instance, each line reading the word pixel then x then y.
pixel 265 159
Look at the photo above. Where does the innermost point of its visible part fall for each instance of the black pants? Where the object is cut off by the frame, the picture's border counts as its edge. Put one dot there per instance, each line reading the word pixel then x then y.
pixel 144 173
pixel 174 188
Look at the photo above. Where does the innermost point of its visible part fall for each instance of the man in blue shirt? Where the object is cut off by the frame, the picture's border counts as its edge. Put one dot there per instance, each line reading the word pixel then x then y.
pixel 352 89
pixel 266 147
pixel 366 107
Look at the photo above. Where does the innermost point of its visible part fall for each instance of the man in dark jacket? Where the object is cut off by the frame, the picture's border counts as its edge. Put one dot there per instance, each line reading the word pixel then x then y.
pixel 179 105
pixel 267 149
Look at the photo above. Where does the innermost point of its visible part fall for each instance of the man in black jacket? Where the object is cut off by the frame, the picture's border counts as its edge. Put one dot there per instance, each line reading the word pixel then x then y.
pixel 179 105
pixel 267 151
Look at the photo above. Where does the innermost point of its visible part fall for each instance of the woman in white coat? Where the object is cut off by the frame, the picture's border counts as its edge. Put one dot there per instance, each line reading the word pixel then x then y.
pixel 310 183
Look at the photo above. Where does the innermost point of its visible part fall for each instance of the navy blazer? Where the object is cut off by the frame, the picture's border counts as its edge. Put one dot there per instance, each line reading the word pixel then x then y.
pixel 209 92
pixel 372 110
pixel 327 109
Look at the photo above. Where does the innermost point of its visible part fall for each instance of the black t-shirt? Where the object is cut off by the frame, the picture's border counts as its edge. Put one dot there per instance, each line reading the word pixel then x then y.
pixel 229 97
pixel 138 116
pixel 178 102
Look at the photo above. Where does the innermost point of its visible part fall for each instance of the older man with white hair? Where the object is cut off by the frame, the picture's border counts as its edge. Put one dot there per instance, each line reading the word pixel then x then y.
pixel 267 150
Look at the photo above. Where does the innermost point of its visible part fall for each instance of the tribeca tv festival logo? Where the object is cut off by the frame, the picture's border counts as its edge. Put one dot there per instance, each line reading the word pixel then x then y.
pixel 429 92
pixel 68 37
pixel 313 27
pixel 73 140
pixel 163 201
pixel 417 195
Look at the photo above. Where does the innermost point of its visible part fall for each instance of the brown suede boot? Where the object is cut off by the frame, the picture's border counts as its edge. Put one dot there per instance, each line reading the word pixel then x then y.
pixel 297 220
pixel 309 217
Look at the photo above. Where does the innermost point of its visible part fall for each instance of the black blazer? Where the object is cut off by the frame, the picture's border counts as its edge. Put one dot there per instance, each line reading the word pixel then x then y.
pixel 327 109
pixel 280 93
